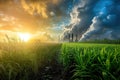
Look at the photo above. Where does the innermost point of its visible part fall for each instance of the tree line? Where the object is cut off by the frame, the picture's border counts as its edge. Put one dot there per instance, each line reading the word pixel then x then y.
pixel 108 41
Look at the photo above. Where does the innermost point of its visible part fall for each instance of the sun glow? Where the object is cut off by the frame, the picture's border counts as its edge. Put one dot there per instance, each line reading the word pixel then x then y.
pixel 24 36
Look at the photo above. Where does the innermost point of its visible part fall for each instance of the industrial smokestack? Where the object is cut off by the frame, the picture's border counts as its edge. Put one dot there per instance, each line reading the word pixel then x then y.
pixel 69 37
pixel 76 40
pixel 72 37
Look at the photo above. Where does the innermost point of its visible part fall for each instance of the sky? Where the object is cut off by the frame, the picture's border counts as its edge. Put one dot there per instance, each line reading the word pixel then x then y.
pixel 57 19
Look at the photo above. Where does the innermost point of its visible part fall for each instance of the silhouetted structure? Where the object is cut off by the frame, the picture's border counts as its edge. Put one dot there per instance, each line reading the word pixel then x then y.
pixel 69 37
pixel 72 37
pixel 76 40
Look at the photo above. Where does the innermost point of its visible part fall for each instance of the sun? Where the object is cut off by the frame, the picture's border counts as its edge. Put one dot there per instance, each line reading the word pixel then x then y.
pixel 24 36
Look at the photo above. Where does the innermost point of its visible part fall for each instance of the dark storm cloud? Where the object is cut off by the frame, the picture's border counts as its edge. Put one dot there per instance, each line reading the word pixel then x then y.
pixel 105 23
pixel 81 18
pixel 95 19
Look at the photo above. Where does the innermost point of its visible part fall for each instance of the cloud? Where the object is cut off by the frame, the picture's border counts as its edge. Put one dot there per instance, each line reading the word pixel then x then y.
pixel 106 24
pixel 81 17
pixel 95 19
pixel 7 18
pixel 35 15
pixel 89 19
pixel 38 7
pixel 7 22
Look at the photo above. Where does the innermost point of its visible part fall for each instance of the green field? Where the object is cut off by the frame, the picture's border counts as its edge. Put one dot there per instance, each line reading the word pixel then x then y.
pixel 91 61
pixel 28 61
pixel 54 61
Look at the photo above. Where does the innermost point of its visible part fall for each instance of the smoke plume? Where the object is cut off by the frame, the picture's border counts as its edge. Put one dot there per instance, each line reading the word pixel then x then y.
pixel 95 19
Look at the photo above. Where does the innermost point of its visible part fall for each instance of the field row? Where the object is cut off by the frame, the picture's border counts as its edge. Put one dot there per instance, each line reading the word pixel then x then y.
pixel 67 61
pixel 91 61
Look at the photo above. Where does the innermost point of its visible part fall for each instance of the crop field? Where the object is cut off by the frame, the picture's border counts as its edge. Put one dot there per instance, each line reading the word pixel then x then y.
pixel 59 61
pixel 91 61
pixel 32 61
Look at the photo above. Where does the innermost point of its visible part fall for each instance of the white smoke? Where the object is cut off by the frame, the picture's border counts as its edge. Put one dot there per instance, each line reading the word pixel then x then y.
pixel 95 19
pixel 78 20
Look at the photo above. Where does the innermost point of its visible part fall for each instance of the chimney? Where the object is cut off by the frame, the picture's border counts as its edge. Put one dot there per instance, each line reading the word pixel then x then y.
pixel 69 37
pixel 72 37
pixel 76 38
